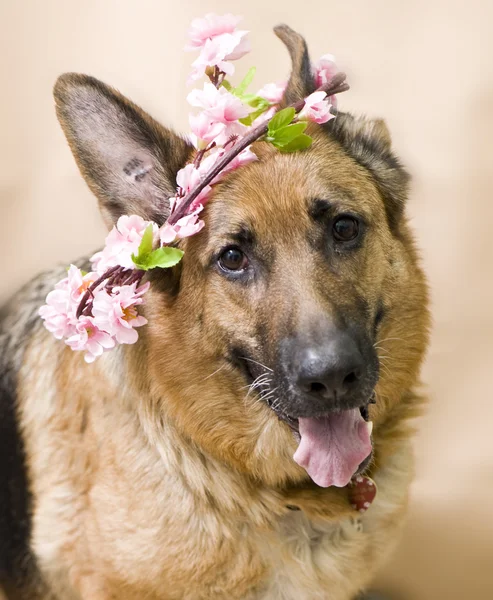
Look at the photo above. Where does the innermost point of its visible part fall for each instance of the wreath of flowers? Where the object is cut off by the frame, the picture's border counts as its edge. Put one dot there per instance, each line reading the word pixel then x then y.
pixel 95 311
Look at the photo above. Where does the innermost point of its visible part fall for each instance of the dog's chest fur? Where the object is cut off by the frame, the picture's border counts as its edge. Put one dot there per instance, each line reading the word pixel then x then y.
pixel 142 518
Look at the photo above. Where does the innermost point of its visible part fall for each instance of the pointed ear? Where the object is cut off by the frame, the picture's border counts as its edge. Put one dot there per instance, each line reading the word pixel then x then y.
pixel 128 159
pixel 368 141
pixel 302 81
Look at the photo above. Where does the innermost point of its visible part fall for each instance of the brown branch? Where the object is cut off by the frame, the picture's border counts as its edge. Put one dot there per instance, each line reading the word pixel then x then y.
pixel 115 276
pixel 92 287
pixel 335 86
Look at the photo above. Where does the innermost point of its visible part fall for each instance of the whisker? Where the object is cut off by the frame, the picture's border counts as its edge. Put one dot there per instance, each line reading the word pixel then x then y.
pixel 255 381
pixel 386 370
pixel 214 373
pixel 407 338
pixel 262 380
pixel 266 396
pixel 257 363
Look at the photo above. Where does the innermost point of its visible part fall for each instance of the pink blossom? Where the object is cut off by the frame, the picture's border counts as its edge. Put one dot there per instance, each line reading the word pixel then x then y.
pixel 221 107
pixel 87 336
pixel 218 51
pixel 57 314
pixel 187 178
pixel 78 282
pixel 317 108
pixel 242 47
pixel 185 227
pixel 325 69
pixel 61 303
pixel 219 41
pixel 123 240
pixel 273 92
pixel 209 27
pixel 204 129
pixel 116 312
pixel 243 158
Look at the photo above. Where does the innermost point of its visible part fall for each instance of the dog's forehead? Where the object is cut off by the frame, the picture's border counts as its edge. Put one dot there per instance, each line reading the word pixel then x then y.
pixel 279 193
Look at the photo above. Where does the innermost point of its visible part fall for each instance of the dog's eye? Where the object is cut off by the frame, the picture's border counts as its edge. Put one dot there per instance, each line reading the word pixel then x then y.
pixel 345 229
pixel 233 259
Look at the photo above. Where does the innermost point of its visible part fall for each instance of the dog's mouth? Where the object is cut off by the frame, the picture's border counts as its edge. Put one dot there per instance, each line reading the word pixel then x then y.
pixel 333 446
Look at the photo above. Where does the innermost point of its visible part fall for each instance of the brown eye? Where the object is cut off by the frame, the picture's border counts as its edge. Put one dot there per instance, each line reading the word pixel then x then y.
pixel 233 259
pixel 345 229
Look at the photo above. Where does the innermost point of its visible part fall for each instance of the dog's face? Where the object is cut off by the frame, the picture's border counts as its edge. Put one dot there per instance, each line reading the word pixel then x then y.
pixel 297 306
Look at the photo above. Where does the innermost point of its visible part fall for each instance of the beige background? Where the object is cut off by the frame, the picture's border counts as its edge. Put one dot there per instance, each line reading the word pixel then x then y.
pixel 427 67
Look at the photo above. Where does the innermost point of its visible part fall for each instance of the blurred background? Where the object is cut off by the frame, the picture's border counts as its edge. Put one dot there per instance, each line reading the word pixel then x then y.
pixel 426 66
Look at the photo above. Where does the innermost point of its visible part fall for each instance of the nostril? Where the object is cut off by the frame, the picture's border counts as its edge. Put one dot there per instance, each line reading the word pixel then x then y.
pixel 317 387
pixel 351 378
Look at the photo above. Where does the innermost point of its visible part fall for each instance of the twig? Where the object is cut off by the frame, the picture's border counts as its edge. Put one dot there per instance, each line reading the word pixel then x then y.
pixel 335 86
pixel 93 286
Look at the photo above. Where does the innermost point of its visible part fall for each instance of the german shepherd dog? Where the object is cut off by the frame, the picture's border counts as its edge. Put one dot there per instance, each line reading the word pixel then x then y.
pixel 165 470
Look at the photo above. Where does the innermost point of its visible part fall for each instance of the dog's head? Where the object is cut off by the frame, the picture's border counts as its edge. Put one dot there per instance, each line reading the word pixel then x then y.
pixel 298 305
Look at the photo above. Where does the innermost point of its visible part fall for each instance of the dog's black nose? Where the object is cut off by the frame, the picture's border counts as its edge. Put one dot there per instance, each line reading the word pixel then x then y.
pixel 330 370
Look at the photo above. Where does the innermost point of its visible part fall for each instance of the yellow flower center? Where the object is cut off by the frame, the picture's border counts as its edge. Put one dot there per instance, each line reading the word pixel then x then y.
pixel 129 313
pixel 84 286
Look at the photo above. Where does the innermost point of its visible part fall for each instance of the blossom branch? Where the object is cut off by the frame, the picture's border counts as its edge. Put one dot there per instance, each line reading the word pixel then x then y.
pixel 117 275
pixel 335 86
pixel 95 311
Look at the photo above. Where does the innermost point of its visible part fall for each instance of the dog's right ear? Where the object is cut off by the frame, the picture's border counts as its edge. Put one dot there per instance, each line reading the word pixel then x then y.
pixel 128 159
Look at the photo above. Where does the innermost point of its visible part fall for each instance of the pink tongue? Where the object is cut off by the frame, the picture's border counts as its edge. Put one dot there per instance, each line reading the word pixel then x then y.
pixel 333 447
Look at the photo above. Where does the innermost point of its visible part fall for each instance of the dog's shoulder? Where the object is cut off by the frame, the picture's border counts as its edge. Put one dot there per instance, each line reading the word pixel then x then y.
pixel 19 322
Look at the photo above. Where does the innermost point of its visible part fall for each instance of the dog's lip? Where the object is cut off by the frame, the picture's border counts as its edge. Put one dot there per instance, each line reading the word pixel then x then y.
pixel 293 422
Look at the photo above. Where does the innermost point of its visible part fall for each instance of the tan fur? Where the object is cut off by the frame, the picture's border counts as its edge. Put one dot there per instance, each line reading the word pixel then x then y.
pixel 138 519
pixel 160 482
pixel 154 474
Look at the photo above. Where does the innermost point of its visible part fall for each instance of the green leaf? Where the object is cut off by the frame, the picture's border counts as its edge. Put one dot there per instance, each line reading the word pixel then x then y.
pixel 281 119
pixel 251 99
pixel 255 101
pixel 288 134
pixel 163 258
pixel 145 247
pixel 252 116
pixel 227 85
pixel 302 142
pixel 247 80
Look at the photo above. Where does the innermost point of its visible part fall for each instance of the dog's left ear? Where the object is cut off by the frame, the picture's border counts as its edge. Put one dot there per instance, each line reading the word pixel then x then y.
pixel 301 81
pixel 128 159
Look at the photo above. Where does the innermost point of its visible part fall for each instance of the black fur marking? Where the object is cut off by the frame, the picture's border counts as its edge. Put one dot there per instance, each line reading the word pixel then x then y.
pixel 244 237
pixel 16 562
pixel 380 315
pixel 319 209
pixel 136 169
pixel 18 321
